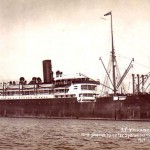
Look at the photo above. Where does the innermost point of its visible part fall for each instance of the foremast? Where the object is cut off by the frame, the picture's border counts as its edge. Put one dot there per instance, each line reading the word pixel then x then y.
pixel 113 56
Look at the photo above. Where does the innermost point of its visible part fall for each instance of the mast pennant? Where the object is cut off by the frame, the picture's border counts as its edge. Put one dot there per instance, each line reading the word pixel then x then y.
pixel 109 13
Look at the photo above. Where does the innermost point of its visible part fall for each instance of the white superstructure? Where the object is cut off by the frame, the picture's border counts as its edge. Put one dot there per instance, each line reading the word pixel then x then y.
pixel 78 85
pixel 69 86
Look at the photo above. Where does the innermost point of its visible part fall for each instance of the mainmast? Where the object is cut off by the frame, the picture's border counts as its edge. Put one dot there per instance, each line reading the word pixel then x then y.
pixel 113 56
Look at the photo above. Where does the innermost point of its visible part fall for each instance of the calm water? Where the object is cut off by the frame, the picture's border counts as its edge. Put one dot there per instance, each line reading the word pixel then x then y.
pixel 65 134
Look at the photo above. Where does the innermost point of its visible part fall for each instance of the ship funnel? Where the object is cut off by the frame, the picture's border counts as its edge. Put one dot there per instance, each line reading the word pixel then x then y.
pixel 47 71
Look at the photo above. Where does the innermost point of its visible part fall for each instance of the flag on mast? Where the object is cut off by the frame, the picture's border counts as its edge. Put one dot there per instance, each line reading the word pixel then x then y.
pixel 109 13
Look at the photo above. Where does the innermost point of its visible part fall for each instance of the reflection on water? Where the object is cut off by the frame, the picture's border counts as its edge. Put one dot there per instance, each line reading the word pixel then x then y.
pixel 67 134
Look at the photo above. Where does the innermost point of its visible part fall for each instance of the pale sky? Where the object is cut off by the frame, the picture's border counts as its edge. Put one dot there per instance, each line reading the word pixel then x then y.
pixel 73 35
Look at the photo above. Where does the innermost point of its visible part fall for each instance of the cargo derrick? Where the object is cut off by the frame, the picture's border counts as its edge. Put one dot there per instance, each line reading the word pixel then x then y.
pixel 115 68
pixel 140 85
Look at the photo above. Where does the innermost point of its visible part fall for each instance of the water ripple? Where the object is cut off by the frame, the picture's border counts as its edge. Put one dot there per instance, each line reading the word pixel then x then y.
pixel 65 134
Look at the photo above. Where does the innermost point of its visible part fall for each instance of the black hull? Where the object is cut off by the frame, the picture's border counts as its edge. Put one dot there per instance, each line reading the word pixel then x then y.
pixel 133 108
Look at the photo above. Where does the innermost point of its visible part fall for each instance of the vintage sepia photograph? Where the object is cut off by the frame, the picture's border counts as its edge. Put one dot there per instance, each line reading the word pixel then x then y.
pixel 75 74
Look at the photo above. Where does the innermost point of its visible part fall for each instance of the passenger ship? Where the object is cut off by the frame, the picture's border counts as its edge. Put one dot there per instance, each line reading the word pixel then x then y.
pixel 74 96
pixel 77 86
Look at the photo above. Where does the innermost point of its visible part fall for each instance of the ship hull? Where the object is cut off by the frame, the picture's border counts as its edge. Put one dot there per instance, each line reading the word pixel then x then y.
pixel 132 108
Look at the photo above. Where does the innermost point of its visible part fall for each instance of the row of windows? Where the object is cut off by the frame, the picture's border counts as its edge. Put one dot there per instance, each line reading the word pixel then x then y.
pixel 73 81
pixel 88 87
pixel 9 93
pixel 86 95
pixel 67 96
pixel 61 90
pixel 34 92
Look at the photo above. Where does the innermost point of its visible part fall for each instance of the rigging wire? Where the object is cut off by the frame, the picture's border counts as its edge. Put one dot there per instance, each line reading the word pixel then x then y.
pixel 106 81
pixel 142 65
pixel 131 44
pixel 125 41
pixel 119 77
pixel 135 62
